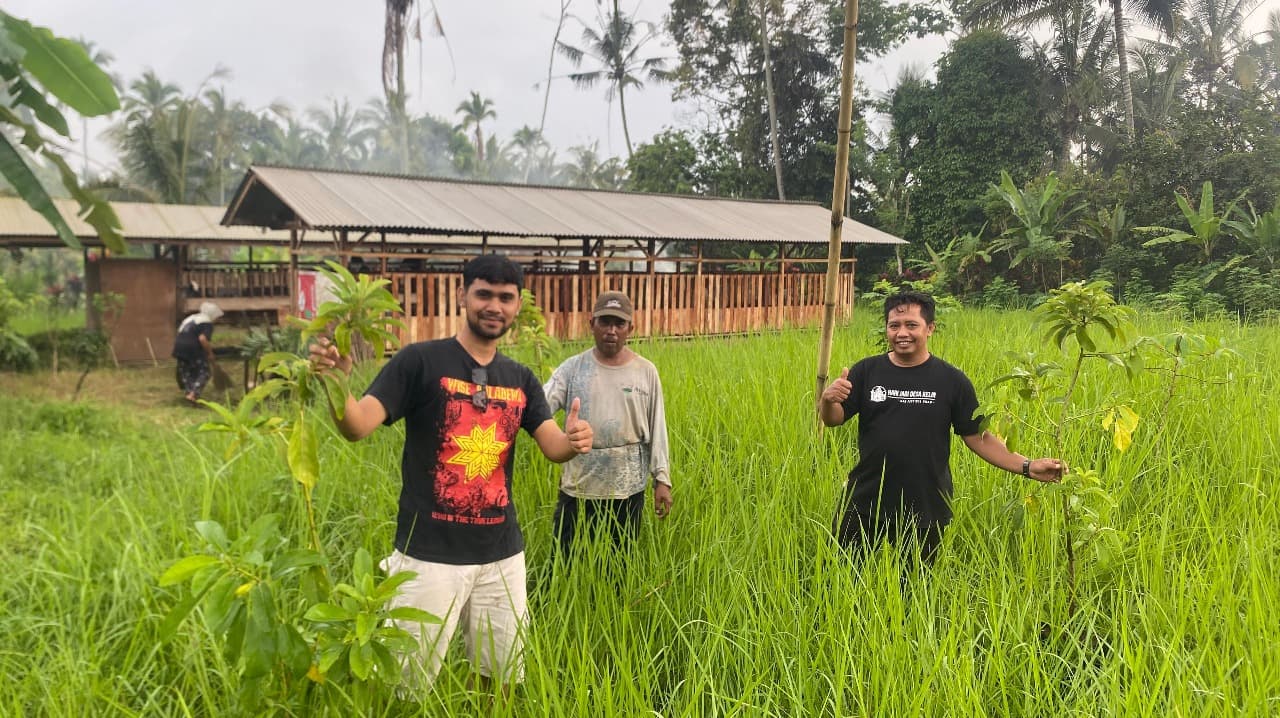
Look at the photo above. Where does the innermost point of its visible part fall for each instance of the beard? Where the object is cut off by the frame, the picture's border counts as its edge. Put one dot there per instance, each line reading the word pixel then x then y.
pixel 478 329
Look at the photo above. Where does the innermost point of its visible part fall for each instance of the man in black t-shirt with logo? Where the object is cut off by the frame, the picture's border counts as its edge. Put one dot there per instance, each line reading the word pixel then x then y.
pixel 907 400
pixel 463 404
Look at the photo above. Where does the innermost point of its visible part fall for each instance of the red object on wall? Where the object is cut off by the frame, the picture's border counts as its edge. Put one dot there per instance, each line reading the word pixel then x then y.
pixel 307 294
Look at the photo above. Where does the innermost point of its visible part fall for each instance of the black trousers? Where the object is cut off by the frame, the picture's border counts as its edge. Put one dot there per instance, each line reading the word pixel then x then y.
pixel 861 533
pixel 619 518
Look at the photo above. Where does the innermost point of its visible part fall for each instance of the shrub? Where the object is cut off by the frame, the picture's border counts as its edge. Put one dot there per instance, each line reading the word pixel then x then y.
pixel 78 348
pixel 64 418
pixel 1000 293
pixel 15 353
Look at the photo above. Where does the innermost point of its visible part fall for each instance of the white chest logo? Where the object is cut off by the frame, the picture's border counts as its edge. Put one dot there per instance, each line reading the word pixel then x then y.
pixel 878 394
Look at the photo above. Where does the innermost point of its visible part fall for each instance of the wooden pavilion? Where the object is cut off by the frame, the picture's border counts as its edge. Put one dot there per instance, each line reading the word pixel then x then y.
pixel 573 243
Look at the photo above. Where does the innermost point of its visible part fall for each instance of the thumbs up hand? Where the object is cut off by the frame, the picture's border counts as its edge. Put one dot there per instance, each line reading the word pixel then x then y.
pixel 576 429
pixel 838 390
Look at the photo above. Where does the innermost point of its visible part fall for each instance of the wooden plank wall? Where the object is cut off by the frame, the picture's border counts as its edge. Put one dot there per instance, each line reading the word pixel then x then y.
pixel 665 304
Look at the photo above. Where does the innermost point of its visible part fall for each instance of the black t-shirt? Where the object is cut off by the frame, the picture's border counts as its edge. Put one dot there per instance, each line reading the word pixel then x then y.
pixel 902 436
pixel 187 344
pixel 455 502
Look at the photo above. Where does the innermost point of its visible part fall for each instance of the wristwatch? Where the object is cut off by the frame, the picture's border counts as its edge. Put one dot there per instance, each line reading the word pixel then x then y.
pixel 1026 468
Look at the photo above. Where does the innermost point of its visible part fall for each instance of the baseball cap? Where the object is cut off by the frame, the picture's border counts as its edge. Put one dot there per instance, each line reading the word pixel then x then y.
pixel 612 304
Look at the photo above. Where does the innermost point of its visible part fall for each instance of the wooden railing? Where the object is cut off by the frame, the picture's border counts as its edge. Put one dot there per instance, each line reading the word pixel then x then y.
pixel 665 304
pixel 213 282
pixel 236 288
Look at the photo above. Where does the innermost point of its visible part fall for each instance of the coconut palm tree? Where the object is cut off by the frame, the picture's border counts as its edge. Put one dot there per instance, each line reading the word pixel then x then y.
pixel 102 59
pixel 393 72
pixel 474 110
pixel 1159 82
pixel 1213 36
pixel 1028 13
pixel 341 134
pixel 615 48
pixel 529 148
pixel 588 171
pixel 150 138
pixel 1076 61
pixel 290 143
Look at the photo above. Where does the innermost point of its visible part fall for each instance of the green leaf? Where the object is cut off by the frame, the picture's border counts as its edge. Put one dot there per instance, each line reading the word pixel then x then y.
pixel 328 613
pixel 336 390
pixel 304 457
pixel 175 617
pixel 365 624
pixel 417 615
pixel 15 170
pixel 363 566
pixel 259 639
pixel 26 95
pixel 186 568
pixel 293 650
pixel 361 660
pixel 391 585
pixel 342 339
pixel 213 532
pixel 291 561
pixel 63 68
pixel 389 670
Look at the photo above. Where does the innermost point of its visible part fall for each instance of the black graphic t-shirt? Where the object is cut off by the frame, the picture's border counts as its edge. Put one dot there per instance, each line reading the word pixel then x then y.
pixel 903 442
pixel 455 502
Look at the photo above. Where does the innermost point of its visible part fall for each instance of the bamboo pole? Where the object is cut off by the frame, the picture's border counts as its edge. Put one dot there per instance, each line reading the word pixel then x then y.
pixel 838 192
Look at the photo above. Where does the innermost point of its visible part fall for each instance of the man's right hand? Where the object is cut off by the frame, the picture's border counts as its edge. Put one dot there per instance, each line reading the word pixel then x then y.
pixel 838 390
pixel 325 357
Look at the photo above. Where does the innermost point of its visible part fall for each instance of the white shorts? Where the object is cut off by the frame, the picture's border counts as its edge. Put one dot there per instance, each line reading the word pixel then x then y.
pixel 488 598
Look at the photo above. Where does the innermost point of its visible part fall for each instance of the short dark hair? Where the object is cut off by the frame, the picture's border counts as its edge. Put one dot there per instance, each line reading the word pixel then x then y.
pixel 924 301
pixel 494 269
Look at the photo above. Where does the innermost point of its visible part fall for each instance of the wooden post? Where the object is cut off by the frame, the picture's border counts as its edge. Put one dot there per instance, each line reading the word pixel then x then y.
pixel 649 289
pixel 838 193
pixel 294 242
pixel 699 294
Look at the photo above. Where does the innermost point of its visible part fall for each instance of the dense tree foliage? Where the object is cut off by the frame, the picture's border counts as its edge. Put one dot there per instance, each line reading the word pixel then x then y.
pixel 1039 148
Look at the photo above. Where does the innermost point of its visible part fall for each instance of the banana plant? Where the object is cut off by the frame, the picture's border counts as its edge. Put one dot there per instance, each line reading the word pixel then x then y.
pixel 1206 225
pixel 1043 215
pixel 34 61
pixel 1259 231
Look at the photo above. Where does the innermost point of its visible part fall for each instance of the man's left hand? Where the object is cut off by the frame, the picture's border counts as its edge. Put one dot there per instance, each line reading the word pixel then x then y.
pixel 1049 471
pixel 661 499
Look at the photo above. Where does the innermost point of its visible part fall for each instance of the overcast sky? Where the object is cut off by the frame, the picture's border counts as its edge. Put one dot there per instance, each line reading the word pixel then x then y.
pixel 305 51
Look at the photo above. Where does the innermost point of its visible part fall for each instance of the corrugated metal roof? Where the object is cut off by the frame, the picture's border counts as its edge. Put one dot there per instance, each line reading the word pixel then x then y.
pixel 142 222
pixel 277 197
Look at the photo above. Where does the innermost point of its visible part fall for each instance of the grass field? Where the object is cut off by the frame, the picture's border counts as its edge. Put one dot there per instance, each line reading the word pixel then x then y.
pixel 735 605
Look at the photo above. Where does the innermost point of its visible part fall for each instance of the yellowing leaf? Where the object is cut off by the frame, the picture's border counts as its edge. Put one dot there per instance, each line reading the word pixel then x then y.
pixel 1121 421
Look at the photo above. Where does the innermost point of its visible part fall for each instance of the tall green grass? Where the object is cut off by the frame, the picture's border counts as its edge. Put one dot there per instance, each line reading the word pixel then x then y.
pixel 735 605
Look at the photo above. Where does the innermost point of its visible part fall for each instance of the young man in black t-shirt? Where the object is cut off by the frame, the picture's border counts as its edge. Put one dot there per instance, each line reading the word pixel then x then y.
pixel 463 404
pixel 907 400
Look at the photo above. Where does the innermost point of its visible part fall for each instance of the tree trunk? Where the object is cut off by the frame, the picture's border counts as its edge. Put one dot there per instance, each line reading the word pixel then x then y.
pixel 622 106
pixel 1122 57
pixel 551 61
pixel 770 98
